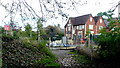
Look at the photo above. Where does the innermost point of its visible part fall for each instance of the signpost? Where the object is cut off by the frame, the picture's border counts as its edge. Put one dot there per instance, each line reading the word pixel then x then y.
pixel 6 27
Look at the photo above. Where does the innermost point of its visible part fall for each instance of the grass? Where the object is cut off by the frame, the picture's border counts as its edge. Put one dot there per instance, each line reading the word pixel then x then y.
pixel 49 61
pixel 81 58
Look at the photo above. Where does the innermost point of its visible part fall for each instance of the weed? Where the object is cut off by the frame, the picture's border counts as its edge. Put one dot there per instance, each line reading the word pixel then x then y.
pixel 81 58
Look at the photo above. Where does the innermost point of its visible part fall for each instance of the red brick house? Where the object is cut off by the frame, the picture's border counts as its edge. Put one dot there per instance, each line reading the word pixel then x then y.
pixel 99 23
pixel 78 26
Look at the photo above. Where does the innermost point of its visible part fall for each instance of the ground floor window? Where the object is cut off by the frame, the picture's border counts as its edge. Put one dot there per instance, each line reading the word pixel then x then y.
pixel 92 32
pixel 100 27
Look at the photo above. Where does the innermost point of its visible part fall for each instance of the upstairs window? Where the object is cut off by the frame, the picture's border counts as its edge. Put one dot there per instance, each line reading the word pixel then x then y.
pixel 69 24
pixel 90 19
pixel 77 27
pixel 81 27
pixel 100 20
pixel 90 26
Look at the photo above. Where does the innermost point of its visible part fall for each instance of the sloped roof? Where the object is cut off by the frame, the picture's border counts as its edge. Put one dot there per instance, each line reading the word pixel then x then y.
pixel 79 20
pixel 96 18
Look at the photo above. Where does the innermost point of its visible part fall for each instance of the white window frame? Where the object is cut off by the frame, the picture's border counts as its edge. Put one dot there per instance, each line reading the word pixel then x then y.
pixel 81 27
pixel 92 32
pixel 100 20
pixel 90 26
pixel 77 27
pixel 90 19
pixel 69 24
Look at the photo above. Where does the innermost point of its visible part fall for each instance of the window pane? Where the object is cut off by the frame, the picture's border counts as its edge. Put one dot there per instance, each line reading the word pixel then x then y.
pixel 90 26
pixel 90 19
pixel 91 32
pixel 81 27
pixel 69 24
pixel 68 28
pixel 100 20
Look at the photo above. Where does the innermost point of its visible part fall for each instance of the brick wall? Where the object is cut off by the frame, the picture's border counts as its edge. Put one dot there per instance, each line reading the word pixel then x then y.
pixel 98 24
pixel 90 23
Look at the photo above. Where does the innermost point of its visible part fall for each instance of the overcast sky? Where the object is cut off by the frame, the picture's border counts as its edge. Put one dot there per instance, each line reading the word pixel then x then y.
pixel 92 6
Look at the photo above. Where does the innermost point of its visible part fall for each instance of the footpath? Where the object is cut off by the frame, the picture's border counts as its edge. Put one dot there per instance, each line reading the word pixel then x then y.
pixel 65 58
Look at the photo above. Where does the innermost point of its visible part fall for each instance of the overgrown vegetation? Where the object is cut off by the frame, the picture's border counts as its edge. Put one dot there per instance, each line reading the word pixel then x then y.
pixel 81 58
pixel 26 48
pixel 109 40
pixel 26 52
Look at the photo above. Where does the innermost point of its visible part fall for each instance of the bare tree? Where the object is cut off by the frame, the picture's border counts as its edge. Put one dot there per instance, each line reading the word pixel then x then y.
pixel 47 9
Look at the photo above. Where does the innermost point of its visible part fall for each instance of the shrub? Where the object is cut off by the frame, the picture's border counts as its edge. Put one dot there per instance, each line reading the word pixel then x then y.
pixel 26 53
pixel 8 38
pixel 109 41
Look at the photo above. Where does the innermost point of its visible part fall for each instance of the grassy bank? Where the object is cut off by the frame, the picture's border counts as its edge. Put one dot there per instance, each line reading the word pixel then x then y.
pixel 81 58
pixel 27 52
pixel 88 62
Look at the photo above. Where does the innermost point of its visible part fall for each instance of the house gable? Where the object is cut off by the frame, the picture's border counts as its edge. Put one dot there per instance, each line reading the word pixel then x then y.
pixel 90 25
pixel 81 20
pixel 99 23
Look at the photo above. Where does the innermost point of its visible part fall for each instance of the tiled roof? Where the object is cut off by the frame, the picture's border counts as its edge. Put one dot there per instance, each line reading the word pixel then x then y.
pixel 96 18
pixel 80 20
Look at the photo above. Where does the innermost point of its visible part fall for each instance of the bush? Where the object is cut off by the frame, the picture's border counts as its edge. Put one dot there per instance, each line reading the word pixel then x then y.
pixel 8 38
pixel 81 58
pixel 26 53
pixel 109 45
pixel 109 41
